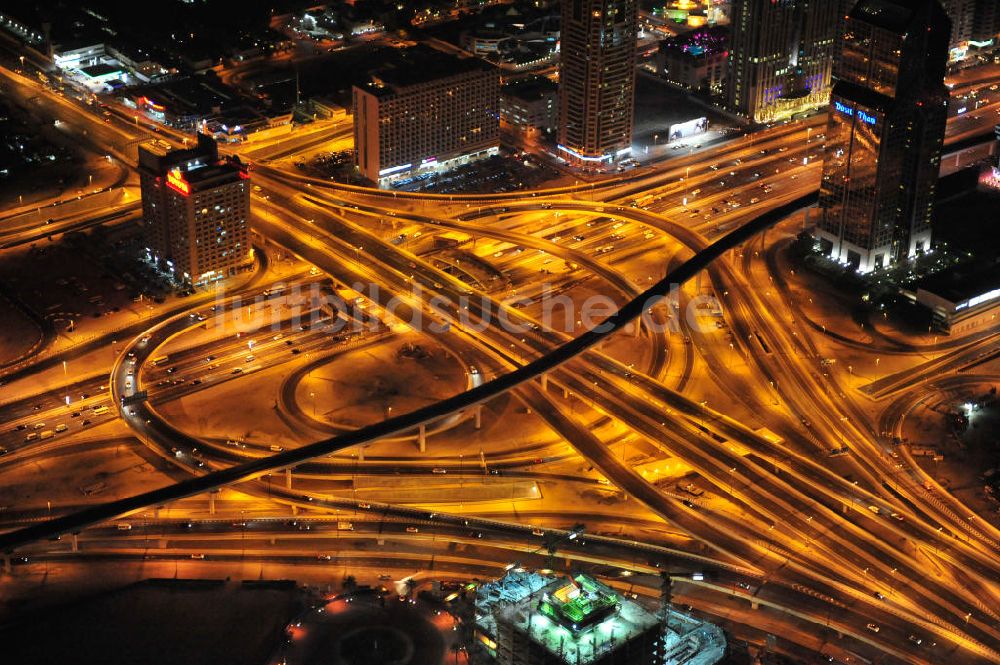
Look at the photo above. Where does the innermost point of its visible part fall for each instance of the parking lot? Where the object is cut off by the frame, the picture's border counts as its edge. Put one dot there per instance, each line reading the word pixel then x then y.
pixel 495 174
pixel 84 284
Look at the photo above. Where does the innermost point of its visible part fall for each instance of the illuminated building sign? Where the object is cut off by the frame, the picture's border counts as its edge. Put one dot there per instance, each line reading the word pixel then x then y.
pixel 863 116
pixel 176 182
pixel 979 300
pixel 394 169
pixel 684 130
pixel 583 157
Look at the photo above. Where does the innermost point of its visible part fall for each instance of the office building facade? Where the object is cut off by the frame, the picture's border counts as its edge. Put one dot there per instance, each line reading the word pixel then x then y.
pixel 530 105
pixel 429 111
pixel 780 57
pixel 196 211
pixel 986 23
pixel 962 14
pixel 596 80
pixel 884 134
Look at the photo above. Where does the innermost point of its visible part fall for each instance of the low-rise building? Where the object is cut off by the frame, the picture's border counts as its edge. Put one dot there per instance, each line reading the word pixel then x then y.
pixel 697 60
pixel 528 618
pixel 961 299
pixel 531 105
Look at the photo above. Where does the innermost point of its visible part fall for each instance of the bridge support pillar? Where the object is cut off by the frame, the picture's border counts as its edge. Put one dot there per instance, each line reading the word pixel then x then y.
pixel 211 503
pixel 6 563
pixel 479 416
pixel 565 393
pixel 637 328
pixel 545 382
pixel 288 478
pixel 75 543
pixel 754 605
pixel 295 509
pixel 422 438
pixel 361 453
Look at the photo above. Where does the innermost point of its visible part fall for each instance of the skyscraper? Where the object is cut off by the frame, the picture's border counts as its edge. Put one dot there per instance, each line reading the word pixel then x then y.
pixel 885 133
pixel 962 14
pixel 986 23
pixel 196 210
pixel 780 57
pixel 596 79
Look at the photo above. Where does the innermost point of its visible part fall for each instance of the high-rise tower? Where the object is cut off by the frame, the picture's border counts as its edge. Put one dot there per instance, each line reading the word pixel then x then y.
pixel 780 57
pixel 596 79
pixel 885 133
pixel 196 210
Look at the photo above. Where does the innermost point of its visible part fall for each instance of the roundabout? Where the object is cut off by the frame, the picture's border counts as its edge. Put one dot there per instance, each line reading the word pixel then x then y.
pixel 371 627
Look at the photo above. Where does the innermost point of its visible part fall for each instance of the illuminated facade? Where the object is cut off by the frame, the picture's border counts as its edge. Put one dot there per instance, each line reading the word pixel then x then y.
pixel 780 57
pixel 430 111
pixel 577 621
pixel 986 23
pixel 196 211
pixel 884 134
pixel 962 14
pixel 596 80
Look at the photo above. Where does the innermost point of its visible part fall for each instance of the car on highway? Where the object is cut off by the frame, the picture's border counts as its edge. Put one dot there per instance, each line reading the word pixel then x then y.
pixel 439 470
pixel 412 529
pixel 874 627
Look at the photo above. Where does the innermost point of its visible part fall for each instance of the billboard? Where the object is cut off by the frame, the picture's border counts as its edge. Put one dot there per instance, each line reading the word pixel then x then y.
pixel 690 128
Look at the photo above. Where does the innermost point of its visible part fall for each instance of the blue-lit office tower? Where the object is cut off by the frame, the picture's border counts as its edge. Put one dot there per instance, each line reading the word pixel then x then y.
pixel 885 133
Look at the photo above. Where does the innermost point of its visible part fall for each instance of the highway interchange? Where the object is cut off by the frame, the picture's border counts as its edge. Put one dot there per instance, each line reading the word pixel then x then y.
pixel 783 528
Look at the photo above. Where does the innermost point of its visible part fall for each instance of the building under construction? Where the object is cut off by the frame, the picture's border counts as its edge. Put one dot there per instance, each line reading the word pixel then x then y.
pixel 527 618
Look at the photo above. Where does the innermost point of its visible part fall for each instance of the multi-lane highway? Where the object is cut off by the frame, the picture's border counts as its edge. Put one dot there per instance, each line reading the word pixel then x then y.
pixel 820 544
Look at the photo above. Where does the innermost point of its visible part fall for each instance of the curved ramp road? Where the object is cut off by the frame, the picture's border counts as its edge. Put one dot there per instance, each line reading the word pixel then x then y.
pixel 631 310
